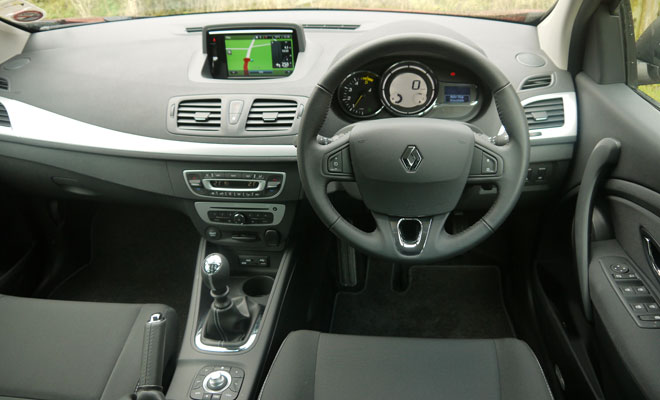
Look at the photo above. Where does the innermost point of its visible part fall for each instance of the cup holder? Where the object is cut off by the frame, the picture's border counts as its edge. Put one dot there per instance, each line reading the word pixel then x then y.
pixel 258 286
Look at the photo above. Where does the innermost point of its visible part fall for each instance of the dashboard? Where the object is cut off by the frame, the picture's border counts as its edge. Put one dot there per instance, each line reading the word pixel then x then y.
pixel 192 110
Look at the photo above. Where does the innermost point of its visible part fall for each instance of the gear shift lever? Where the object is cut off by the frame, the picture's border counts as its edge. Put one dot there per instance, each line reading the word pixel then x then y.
pixel 229 320
pixel 216 278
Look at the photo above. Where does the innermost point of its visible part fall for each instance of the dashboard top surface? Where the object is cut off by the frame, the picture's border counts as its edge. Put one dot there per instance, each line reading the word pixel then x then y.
pixel 121 75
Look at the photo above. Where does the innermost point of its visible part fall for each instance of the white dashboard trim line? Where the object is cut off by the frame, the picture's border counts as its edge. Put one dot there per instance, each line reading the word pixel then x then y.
pixel 31 124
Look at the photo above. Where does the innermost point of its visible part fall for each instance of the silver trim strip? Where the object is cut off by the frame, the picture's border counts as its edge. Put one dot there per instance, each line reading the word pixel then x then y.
pixel 233 349
pixel 404 243
pixel 261 185
pixel 564 134
pixel 33 124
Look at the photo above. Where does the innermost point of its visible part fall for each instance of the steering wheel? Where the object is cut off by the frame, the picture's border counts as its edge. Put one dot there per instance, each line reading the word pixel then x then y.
pixel 411 172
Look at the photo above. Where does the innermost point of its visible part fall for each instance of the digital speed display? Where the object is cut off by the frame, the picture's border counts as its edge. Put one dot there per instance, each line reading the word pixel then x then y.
pixel 408 88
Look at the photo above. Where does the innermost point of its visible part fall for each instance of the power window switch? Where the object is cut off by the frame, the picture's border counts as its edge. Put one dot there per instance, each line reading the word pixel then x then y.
pixel 638 307
pixel 628 290
pixel 654 317
pixel 641 290
pixel 652 307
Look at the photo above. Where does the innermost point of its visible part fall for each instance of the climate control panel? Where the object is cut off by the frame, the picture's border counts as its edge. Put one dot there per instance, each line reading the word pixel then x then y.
pixel 235 184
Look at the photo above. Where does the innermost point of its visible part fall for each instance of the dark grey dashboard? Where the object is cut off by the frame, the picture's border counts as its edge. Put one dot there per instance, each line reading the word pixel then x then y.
pixel 121 90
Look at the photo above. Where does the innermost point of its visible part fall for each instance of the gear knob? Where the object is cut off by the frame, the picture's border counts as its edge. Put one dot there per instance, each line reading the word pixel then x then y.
pixel 215 272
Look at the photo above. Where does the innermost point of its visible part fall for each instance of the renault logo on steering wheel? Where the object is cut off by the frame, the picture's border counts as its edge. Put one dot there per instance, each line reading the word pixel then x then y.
pixel 411 158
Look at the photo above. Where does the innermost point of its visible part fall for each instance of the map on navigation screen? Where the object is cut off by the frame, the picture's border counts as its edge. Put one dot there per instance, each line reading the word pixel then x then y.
pixel 259 55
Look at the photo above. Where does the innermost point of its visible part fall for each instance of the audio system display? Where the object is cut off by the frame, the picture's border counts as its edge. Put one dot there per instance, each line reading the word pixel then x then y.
pixel 235 184
pixel 251 53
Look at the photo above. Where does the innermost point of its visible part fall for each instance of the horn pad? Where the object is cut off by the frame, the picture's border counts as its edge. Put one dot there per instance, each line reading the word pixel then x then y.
pixel 411 167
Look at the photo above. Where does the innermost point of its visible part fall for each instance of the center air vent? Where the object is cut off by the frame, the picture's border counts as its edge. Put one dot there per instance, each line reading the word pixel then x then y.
pixel 4 83
pixel 271 115
pixel 536 82
pixel 199 114
pixel 544 114
pixel 4 117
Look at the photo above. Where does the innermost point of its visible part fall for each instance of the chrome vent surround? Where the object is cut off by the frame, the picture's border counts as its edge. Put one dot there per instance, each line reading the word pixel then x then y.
pixel 203 114
pixel 341 27
pixel 4 117
pixel 4 83
pixel 536 82
pixel 544 114
pixel 271 115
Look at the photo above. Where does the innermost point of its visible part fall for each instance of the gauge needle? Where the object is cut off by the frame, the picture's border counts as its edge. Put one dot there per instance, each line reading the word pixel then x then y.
pixel 358 100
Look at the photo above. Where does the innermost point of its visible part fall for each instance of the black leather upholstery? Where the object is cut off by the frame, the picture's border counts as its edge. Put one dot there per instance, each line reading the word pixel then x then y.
pixel 313 365
pixel 52 350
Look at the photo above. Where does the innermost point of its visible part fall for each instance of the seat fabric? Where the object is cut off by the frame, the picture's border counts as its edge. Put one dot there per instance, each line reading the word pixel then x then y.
pixel 312 365
pixel 52 350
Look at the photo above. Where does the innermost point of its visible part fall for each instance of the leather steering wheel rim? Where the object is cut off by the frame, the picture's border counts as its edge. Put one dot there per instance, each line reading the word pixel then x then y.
pixel 438 244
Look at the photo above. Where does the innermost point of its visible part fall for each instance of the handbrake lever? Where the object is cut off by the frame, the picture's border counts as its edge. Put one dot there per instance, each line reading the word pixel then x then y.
pixel 150 385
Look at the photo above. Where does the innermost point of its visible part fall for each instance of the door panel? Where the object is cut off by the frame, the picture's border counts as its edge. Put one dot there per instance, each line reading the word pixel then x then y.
pixel 627 354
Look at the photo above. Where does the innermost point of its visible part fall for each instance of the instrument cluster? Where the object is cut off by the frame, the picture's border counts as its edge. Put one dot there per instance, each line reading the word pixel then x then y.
pixel 409 88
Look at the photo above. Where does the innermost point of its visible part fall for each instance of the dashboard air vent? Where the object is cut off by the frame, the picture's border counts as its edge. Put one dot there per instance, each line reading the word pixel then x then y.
pixel 4 117
pixel 544 114
pixel 342 27
pixel 271 115
pixel 536 82
pixel 199 114
pixel 4 83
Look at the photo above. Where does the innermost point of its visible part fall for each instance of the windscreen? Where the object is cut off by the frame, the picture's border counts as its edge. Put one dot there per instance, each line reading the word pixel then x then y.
pixel 48 14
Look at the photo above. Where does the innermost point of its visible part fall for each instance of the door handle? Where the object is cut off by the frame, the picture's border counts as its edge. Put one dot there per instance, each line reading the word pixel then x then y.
pixel 652 251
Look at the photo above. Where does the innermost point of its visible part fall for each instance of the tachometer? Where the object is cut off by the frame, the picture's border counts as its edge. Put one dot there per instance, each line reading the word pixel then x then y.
pixel 408 88
pixel 358 94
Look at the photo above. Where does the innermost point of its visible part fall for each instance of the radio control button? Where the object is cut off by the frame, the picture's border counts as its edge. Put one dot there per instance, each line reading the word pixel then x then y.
pixel 239 218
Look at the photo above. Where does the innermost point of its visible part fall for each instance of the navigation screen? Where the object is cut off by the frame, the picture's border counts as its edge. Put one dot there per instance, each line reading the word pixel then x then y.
pixel 254 55
pixel 457 94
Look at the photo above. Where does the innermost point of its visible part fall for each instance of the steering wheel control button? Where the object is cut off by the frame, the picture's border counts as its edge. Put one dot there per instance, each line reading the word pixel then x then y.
pixel 334 163
pixel 488 165
pixel 339 162
pixel 619 268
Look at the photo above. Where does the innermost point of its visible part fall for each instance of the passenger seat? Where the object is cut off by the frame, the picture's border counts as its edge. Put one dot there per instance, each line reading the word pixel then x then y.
pixel 64 350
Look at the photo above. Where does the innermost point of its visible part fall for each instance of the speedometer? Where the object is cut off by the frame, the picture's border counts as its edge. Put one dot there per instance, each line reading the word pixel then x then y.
pixel 408 88
pixel 358 95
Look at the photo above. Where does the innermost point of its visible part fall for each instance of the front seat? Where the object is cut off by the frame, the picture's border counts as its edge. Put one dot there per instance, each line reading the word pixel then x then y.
pixel 318 366
pixel 52 350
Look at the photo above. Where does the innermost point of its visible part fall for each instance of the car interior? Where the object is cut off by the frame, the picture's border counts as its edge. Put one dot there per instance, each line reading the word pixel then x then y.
pixel 329 200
